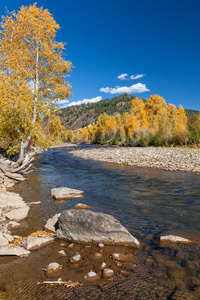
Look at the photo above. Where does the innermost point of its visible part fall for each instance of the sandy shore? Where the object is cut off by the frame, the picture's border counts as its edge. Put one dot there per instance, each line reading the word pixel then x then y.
pixel 173 159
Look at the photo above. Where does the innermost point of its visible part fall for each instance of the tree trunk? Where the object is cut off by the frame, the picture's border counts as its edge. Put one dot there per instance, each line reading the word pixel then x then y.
pixel 24 145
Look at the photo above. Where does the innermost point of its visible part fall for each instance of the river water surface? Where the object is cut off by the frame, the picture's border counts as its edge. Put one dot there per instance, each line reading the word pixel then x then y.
pixel 148 202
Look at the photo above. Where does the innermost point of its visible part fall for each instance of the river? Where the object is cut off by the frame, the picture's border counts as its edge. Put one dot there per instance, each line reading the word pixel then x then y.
pixel 147 202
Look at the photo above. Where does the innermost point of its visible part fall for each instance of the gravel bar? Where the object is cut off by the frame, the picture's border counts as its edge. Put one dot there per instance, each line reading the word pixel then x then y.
pixel 173 158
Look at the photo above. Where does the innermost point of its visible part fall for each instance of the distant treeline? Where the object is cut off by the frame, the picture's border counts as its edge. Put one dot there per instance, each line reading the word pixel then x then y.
pixel 149 122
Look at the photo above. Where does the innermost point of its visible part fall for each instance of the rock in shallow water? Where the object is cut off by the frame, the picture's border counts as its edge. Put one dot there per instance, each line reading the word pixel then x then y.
pixel 88 226
pixel 51 222
pixel 36 242
pixel 174 239
pixel 108 273
pixel 91 277
pixel 53 270
pixel 16 250
pixel 121 257
pixel 66 193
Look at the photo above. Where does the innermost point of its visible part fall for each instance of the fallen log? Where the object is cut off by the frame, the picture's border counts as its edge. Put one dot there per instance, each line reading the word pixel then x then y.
pixel 15 176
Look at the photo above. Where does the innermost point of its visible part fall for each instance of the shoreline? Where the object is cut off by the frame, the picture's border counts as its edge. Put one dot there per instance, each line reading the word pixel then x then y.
pixel 163 158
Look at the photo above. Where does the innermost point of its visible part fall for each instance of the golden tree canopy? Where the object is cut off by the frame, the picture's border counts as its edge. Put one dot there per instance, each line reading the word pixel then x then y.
pixel 33 75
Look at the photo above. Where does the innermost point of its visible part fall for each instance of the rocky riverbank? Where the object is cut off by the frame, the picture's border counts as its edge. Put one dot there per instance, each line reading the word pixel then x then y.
pixel 173 159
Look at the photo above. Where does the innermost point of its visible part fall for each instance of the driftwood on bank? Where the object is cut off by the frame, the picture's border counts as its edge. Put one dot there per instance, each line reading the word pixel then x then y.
pixel 14 170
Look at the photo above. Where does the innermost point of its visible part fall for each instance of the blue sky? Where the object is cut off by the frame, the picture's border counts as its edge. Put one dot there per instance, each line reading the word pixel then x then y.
pixel 159 40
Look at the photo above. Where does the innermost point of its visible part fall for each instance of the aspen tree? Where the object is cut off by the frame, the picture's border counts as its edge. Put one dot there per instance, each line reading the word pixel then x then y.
pixel 31 57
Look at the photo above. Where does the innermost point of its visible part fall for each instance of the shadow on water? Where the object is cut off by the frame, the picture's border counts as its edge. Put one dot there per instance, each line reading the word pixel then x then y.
pixel 146 201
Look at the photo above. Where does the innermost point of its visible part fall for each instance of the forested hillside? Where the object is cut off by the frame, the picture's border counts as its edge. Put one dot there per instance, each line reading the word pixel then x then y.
pixel 80 116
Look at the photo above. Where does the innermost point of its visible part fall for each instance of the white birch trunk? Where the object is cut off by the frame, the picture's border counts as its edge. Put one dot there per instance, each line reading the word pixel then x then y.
pixel 24 144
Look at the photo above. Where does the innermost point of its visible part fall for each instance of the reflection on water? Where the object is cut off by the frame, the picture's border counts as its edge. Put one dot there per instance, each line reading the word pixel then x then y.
pixel 146 201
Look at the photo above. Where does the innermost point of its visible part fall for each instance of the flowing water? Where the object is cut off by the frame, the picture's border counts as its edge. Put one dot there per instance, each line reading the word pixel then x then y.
pixel 148 202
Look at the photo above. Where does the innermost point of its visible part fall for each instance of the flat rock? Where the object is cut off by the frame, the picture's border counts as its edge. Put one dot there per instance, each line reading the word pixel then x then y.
pixel 3 240
pixel 13 225
pixel 82 206
pixel 16 250
pixel 87 226
pixel 66 193
pixel 9 237
pixel 51 222
pixel 36 242
pixel 10 201
pixel 174 239
pixel 18 214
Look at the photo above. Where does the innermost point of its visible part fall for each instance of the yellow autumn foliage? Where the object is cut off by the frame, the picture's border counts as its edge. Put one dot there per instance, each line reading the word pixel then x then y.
pixel 33 77
pixel 154 123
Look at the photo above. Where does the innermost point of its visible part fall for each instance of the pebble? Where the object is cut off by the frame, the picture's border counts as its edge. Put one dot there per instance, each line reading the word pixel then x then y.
pixel 118 263
pixel 108 273
pixel 62 253
pixel 75 258
pixel 53 270
pixel 91 277
pixel 71 245
pixel 100 245
pixel 95 256
pixel 121 257
pixel 103 265
pixel 124 273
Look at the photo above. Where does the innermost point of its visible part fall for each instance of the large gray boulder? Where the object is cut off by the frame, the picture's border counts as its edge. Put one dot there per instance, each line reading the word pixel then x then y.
pixel 87 226
pixel 66 193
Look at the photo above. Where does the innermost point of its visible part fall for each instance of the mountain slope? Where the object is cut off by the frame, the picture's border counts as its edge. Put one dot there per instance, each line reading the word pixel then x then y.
pixel 80 116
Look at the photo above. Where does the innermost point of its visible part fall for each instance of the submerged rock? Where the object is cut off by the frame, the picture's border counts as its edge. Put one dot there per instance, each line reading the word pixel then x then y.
pixel 66 193
pixel 91 277
pixel 174 239
pixel 13 225
pixel 36 242
pixel 108 273
pixel 53 270
pixel 82 206
pixel 75 258
pixel 88 226
pixel 95 256
pixel 121 257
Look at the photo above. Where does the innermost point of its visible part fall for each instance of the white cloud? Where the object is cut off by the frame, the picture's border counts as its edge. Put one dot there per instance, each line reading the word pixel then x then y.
pixel 135 88
pixel 122 76
pixel 133 77
pixel 84 101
